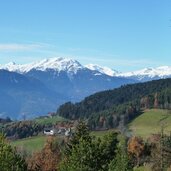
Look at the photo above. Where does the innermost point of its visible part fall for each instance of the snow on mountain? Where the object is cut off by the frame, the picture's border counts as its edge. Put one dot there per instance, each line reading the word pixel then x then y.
pixel 72 66
pixel 144 74
pixel 103 70
pixel 161 72
pixel 9 66
pixel 58 64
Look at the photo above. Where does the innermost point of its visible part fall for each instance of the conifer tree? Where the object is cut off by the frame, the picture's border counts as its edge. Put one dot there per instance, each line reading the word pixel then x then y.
pixel 121 162
pixel 86 153
pixel 10 160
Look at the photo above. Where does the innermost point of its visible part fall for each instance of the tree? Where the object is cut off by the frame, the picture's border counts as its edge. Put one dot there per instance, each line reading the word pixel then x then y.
pixel 107 148
pixel 86 153
pixel 161 152
pixel 121 162
pixel 48 158
pixel 156 102
pixel 136 148
pixel 81 132
pixel 84 156
pixel 10 160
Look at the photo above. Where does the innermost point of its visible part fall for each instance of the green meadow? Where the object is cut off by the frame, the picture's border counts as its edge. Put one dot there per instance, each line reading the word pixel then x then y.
pixel 150 122
pixel 31 144
pixel 50 120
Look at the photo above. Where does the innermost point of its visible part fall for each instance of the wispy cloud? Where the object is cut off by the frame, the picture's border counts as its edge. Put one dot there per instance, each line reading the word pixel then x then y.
pixel 19 47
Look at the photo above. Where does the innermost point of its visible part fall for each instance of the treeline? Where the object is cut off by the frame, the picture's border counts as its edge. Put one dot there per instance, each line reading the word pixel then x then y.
pixel 84 152
pixel 22 129
pixel 114 107
pixel 117 116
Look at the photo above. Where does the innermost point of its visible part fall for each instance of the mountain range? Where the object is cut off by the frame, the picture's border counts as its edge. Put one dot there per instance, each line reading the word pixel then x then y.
pixel 145 74
pixel 40 87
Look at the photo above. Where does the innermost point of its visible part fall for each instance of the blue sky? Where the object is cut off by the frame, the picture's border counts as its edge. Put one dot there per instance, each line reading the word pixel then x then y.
pixel 122 34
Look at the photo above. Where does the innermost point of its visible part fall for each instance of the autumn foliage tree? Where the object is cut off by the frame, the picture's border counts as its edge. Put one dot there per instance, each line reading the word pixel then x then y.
pixel 47 159
pixel 136 149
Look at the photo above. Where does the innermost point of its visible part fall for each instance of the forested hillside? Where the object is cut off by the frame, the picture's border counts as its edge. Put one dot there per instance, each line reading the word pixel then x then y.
pixel 111 108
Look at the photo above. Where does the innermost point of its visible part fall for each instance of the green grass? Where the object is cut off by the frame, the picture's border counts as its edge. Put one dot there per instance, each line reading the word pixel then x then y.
pixel 143 168
pixel 32 144
pixel 101 133
pixel 150 122
pixel 50 120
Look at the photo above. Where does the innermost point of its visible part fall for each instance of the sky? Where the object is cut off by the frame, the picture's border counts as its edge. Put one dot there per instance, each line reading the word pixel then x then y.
pixel 125 35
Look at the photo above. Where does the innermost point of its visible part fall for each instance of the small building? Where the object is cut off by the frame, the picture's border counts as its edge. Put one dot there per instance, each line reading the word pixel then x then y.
pixel 63 131
pixel 49 131
pixel 68 132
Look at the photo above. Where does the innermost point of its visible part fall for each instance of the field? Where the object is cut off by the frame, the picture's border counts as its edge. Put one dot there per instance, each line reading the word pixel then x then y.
pixel 32 144
pixel 50 120
pixel 150 122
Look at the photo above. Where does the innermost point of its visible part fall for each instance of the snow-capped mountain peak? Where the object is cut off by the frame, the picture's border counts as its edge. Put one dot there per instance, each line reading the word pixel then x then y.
pixel 57 64
pixel 161 72
pixel 9 66
pixel 103 70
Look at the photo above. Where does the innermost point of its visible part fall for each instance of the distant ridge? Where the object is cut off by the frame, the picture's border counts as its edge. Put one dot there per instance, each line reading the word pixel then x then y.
pixel 72 66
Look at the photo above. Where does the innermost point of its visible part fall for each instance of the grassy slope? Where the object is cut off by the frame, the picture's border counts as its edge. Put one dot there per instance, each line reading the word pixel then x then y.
pixel 150 122
pixel 49 120
pixel 32 144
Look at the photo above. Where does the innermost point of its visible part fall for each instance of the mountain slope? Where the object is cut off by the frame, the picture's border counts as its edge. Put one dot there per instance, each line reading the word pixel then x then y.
pixel 102 70
pixel 79 85
pixel 24 95
pixel 150 122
